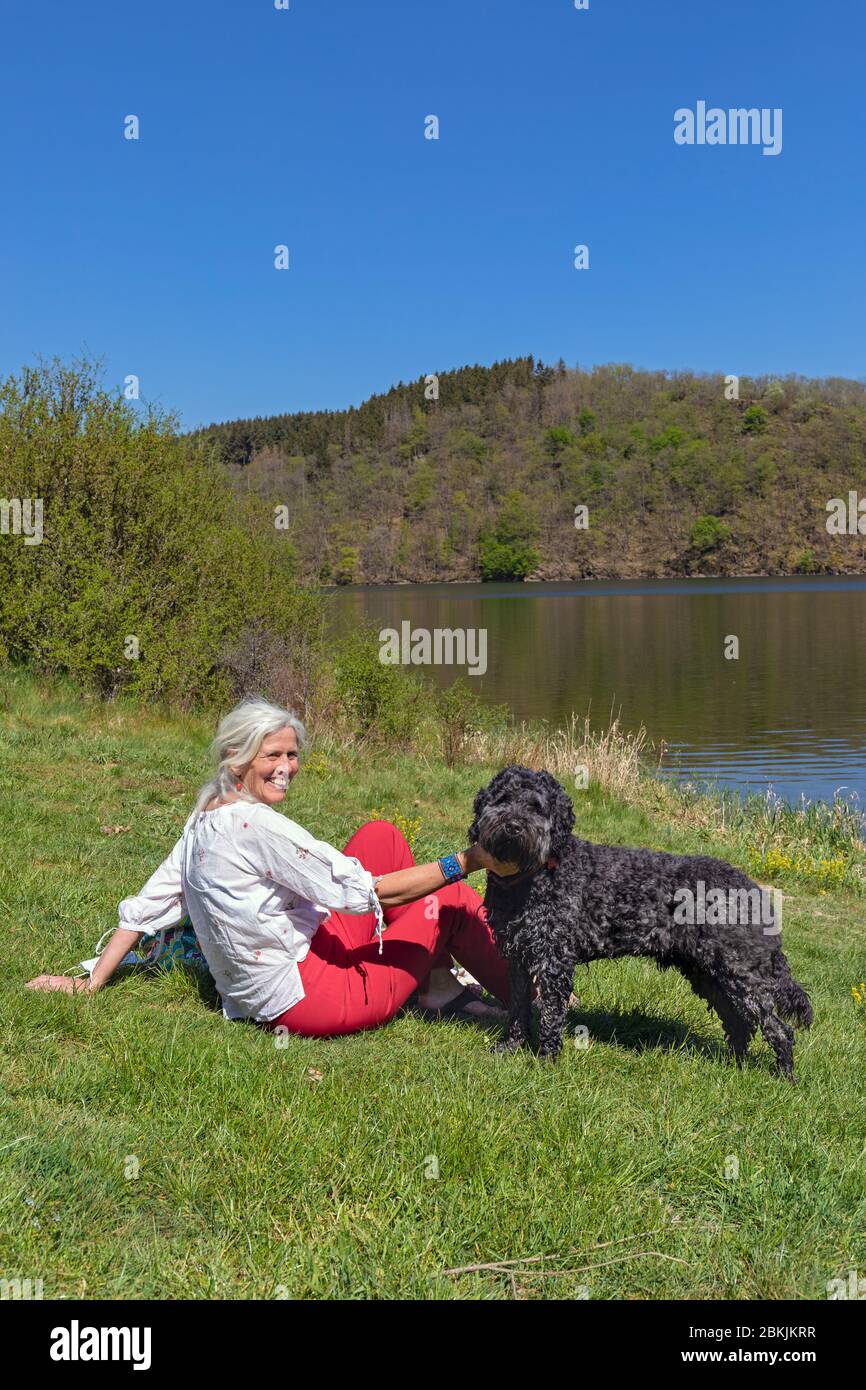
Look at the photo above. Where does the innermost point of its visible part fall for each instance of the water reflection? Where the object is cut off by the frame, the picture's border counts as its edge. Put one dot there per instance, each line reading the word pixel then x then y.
pixel 787 712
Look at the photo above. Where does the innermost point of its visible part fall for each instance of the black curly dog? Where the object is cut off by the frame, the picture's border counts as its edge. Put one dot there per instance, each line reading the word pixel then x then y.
pixel 572 901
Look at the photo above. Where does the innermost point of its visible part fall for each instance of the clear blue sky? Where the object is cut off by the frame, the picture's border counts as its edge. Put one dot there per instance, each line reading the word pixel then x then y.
pixel 408 255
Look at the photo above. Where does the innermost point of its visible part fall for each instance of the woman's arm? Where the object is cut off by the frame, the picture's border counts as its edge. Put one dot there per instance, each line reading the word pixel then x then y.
pixel 407 885
pixel 159 905
pixel 122 942
pixel 282 850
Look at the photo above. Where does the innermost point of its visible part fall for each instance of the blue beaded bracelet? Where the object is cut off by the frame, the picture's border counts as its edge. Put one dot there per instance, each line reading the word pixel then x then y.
pixel 450 866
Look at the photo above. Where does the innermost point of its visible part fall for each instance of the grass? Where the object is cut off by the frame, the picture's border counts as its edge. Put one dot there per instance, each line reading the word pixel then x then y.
pixel 150 1149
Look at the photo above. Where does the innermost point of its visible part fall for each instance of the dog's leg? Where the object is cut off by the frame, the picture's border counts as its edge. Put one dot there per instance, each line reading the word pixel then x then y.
pixel 759 1010
pixel 555 996
pixel 520 1012
pixel 739 1031
pixel 738 1027
pixel 779 1035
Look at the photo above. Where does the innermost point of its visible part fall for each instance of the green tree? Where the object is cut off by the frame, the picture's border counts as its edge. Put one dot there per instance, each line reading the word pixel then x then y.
pixel 421 487
pixel 587 421
pixel 755 420
pixel 709 532
pixel 506 549
pixel 150 567
pixel 557 438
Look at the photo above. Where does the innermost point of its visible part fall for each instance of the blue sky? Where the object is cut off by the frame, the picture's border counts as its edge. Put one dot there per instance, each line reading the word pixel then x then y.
pixel 408 255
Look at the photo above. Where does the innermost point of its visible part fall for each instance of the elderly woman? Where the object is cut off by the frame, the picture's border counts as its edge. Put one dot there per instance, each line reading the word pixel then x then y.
pixel 297 935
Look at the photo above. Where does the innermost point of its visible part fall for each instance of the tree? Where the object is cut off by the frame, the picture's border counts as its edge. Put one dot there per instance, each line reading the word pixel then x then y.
pixel 505 550
pixel 557 438
pixel 709 532
pixel 755 420
pixel 151 569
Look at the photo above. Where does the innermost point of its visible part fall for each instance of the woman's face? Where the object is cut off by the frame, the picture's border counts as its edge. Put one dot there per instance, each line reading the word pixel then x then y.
pixel 268 775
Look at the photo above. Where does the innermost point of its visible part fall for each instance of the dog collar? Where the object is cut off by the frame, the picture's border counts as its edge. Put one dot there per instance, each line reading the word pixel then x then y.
pixel 513 880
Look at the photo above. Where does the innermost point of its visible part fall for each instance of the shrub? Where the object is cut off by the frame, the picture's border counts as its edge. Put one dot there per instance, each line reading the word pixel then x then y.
pixel 557 438
pixel 149 566
pixel 457 716
pixel 806 562
pixel 505 549
pixel 378 700
pixel 284 669
pixel 501 562
pixel 347 565
pixel 471 445
pixel 755 420
pixel 671 438
pixel 460 714
pixel 708 532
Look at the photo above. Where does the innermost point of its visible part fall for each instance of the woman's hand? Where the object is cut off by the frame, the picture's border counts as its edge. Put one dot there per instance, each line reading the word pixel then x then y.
pixel 408 885
pixel 64 984
pixel 123 940
pixel 477 858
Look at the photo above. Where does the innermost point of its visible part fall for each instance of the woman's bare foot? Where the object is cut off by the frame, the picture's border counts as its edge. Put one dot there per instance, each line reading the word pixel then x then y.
pixel 443 988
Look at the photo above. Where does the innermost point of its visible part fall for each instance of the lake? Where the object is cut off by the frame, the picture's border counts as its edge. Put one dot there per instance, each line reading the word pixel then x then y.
pixel 787 713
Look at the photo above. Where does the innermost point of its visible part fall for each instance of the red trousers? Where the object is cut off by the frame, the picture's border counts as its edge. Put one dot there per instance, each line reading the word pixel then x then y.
pixel 349 986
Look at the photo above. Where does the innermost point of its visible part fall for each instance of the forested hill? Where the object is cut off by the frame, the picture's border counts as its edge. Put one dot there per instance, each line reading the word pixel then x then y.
pixel 523 470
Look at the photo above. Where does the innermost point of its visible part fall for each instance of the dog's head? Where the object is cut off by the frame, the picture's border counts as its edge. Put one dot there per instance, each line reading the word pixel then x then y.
pixel 522 817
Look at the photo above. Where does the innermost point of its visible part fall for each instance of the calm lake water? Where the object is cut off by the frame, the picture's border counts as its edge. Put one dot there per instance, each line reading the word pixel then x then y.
pixel 789 713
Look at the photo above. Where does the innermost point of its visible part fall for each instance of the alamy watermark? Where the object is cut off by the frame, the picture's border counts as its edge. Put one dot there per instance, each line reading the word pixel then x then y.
pixel 22 516
pixel 444 646
pixel 77 1343
pixel 855 1287
pixel 846 518
pixel 720 907
pixel 27 1290
pixel 736 126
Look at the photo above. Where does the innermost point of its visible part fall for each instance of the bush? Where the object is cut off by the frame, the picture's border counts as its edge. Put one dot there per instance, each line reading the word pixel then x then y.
pixel 459 714
pixel 557 438
pixel 149 567
pixel 377 699
pixel 347 564
pixel 708 532
pixel 755 420
pixel 501 562
pixel 806 562
pixel 505 550
pixel 286 670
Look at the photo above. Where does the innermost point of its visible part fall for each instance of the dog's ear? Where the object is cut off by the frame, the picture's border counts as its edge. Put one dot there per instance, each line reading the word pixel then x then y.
pixel 481 799
pixel 485 795
pixel 561 814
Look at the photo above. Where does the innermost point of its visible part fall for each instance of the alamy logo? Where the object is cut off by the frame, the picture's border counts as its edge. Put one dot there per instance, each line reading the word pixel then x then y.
pixel 854 1288
pixel 22 517
pixel 444 646
pixel 25 1289
pixel 737 126
pixel 720 907
pixel 77 1343
pixel 847 519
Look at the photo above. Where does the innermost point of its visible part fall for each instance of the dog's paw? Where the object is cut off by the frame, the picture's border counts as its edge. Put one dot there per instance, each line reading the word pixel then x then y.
pixel 506 1045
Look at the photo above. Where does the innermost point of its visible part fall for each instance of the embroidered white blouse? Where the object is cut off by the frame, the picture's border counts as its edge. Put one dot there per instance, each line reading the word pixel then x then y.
pixel 256 886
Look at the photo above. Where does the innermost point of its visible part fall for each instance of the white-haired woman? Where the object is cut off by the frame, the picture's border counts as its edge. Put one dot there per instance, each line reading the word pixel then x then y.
pixel 296 934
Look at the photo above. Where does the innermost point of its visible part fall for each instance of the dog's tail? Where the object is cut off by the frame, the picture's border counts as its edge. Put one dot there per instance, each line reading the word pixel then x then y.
pixel 793 1002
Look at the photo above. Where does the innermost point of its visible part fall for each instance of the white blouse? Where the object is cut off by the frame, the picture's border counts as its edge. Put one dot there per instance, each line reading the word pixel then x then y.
pixel 256 886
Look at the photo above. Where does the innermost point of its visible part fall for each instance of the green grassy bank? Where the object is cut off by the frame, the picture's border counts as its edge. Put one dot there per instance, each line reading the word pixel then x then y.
pixel 148 1148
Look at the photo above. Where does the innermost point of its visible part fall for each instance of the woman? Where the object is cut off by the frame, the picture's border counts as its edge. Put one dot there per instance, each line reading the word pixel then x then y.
pixel 297 935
